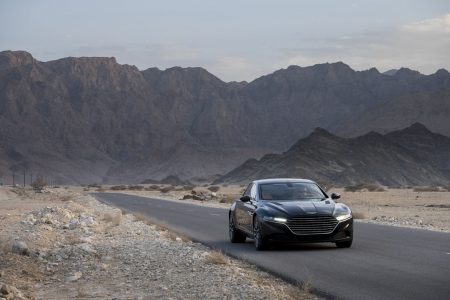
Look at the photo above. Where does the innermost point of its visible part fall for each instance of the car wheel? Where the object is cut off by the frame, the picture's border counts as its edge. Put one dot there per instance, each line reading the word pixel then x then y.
pixel 236 236
pixel 260 242
pixel 346 244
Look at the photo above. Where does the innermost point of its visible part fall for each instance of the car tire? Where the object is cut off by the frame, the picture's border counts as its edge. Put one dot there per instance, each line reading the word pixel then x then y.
pixel 346 244
pixel 260 242
pixel 236 236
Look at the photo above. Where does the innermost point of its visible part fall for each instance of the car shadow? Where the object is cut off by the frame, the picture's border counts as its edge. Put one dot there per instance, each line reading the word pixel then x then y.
pixel 298 246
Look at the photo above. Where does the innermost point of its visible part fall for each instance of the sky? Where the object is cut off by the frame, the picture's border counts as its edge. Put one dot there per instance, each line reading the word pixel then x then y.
pixel 234 39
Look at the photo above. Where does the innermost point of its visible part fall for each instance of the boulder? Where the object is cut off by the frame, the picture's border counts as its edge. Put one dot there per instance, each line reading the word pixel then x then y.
pixel 20 247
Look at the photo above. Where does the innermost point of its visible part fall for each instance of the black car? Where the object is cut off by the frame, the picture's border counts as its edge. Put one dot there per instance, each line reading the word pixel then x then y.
pixel 289 210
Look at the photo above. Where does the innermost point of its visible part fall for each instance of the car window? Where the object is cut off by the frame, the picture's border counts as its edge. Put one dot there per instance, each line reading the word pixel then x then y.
pixel 247 191
pixel 253 192
pixel 290 191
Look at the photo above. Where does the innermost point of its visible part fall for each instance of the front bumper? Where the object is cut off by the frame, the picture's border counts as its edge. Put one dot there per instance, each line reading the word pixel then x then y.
pixel 279 232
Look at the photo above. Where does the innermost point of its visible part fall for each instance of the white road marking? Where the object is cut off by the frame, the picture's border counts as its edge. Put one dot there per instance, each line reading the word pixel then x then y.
pixel 215 215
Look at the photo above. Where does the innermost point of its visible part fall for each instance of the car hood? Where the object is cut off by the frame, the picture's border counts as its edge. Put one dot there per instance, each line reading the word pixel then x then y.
pixel 301 208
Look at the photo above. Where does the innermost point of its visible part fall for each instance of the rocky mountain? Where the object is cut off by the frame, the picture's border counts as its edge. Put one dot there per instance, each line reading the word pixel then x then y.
pixel 412 156
pixel 90 119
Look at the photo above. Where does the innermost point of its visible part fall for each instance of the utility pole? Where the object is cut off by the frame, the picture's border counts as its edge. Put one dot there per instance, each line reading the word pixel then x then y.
pixel 31 177
pixel 14 178
pixel 24 177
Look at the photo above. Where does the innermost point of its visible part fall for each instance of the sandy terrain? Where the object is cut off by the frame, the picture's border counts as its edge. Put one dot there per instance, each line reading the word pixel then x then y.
pixel 399 207
pixel 63 244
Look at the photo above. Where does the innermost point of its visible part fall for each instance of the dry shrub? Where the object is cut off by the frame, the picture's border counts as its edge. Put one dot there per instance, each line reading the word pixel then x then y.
pixel 39 184
pixel 166 189
pixel 228 198
pixel 217 258
pixel 73 240
pixel 101 190
pixel 135 187
pixel 153 187
pixel 364 186
pixel 300 291
pixel 66 198
pixel 426 189
pixel 446 188
pixel 214 188
pixel 142 218
pixel 358 215
pixel 119 187
pixel 76 207
pixel 94 185
pixel 20 191
pixel 114 219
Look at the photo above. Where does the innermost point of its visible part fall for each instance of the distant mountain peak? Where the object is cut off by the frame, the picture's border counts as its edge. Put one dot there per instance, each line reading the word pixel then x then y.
pixel 442 72
pixel 408 73
pixel 390 72
pixel 418 127
pixel 320 132
pixel 10 59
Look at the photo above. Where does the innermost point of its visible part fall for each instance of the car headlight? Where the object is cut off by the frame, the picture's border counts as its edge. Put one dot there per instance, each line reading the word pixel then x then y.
pixel 342 212
pixel 275 219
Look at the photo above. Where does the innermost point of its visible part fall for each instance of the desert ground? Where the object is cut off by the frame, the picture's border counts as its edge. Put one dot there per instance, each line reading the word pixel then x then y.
pixel 417 207
pixel 64 244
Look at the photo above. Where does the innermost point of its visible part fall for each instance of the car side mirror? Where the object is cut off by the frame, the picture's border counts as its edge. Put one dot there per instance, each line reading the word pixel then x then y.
pixel 245 198
pixel 335 196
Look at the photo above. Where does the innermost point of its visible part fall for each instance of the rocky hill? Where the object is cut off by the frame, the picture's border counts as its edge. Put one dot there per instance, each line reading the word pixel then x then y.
pixel 412 156
pixel 90 119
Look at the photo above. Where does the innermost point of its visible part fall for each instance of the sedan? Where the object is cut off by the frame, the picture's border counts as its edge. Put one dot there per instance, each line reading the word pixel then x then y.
pixel 289 210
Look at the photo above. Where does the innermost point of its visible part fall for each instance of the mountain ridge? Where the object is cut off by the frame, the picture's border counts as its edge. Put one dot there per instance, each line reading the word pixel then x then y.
pixel 392 159
pixel 63 116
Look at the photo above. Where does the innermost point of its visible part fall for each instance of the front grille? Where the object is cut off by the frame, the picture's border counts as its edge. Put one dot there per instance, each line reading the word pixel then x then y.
pixel 312 225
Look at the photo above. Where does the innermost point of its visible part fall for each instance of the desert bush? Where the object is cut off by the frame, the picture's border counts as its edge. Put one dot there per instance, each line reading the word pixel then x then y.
pixel 39 184
pixel 119 187
pixel 446 188
pixel 188 187
pixel 66 198
pixel 20 191
pixel 166 189
pixel 135 187
pixel 228 198
pixel 114 219
pixel 94 185
pixel 426 189
pixel 364 186
pixel 217 258
pixel 152 187
pixel 214 188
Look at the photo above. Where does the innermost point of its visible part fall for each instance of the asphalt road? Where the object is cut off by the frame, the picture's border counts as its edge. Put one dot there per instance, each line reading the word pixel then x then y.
pixel 385 262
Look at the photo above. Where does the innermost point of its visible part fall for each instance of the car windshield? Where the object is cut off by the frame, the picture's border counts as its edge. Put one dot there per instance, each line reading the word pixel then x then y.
pixel 290 191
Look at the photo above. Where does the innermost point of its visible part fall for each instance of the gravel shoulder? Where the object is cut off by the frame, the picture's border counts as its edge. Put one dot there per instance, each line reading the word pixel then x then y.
pixel 63 243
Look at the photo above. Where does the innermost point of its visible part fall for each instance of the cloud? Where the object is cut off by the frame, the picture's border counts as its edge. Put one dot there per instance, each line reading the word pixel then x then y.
pixel 420 45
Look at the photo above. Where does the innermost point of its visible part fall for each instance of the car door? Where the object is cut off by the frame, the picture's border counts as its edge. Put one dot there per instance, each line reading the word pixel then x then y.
pixel 249 209
pixel 241 210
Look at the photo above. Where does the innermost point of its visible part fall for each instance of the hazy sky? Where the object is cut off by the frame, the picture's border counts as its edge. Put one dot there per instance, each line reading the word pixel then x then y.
pixel 235 40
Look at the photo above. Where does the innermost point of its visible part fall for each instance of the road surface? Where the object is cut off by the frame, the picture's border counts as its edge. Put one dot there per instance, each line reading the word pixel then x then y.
pixel 385 262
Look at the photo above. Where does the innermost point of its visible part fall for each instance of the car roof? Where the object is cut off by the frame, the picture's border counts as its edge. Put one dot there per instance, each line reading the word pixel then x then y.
pixel 278 180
